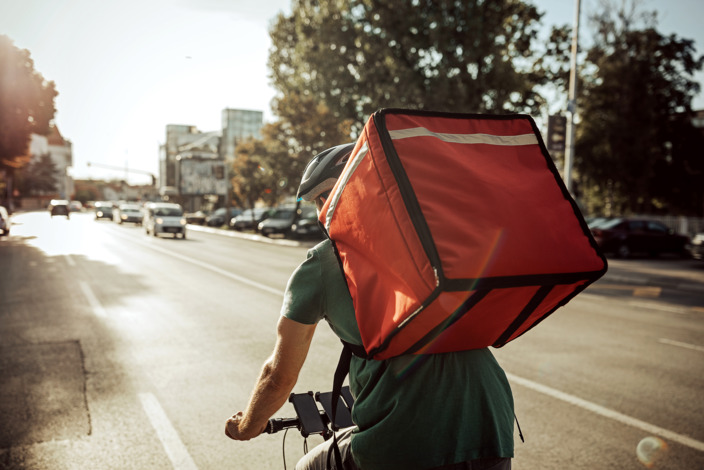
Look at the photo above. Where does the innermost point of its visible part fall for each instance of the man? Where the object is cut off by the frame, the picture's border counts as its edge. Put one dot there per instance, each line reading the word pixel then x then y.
pixel 446 411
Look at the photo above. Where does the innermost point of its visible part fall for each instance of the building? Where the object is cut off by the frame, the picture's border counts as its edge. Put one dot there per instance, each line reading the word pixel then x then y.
pixel 193 164
pixel 238 124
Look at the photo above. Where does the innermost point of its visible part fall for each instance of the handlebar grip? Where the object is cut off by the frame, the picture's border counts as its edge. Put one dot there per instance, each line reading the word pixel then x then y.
pixel 278 424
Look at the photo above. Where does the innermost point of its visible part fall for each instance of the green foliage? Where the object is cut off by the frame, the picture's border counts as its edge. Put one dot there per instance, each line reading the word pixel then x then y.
pixel 631 107
pixel 357 56
pixel 275 163
pixel 26 104
pixel 38 177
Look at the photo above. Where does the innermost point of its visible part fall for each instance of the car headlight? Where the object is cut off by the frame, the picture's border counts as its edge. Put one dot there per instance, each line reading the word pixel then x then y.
pixel 124 216
pixel 100 214
pixel 183 221
pixel 159 220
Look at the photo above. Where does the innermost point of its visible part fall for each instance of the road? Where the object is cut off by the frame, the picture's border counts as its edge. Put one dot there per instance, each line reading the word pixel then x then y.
pixel 122 350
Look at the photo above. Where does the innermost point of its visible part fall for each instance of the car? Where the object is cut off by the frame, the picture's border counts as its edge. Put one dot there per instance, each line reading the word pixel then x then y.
pixel 279 222
pixel 164 217
pixel 696 247
pixel 59 207
pixel 129 213
pixel 4 222
pixel 306 224
pixel 103 210
pixel 626 236
pixel 75 206
pixel 249 219
pixel 218 217
pixel 195 218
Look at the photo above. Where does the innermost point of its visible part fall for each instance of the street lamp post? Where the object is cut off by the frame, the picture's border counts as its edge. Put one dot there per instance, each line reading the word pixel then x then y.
pixel 572 103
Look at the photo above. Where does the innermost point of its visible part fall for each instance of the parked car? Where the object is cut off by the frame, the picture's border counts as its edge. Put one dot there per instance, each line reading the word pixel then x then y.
pixel 306 224
pixel 75 206
pixel 279 222
pixel 59 207
pixel 164 217
pixel 103 210
pixel 696 247
pixel 129 213
pixel 219 217
pixel 626 236
pixel 196 218
pixel 249 219
pixel 4 222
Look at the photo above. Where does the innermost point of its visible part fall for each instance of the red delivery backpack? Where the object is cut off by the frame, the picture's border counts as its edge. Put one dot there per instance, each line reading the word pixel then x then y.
pixel 455 232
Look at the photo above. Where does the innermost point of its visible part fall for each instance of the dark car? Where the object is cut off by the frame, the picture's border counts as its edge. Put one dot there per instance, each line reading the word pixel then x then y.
pixel 696 247
pixel 59 207
pixel 306 224
pixel 279 222
pixel 625 237
pixel 249 219
pixel 103 210
pixel 218 218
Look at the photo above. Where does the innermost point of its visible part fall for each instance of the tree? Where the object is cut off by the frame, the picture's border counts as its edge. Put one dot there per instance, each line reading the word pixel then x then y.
pixel 38 177
pixel 276 162
pixel 637 83
pixel 355 56
pixel 26 104
pixel 251 180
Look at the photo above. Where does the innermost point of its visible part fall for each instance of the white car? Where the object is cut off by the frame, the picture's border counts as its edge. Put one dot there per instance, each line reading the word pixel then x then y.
pixel 164 217
pixel 4 222
pixel 128 213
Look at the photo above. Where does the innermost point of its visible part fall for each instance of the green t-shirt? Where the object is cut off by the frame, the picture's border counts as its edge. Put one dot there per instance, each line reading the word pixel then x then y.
pixel 414 411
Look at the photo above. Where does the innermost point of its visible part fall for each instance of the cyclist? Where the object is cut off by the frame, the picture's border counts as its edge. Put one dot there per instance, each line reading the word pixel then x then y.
pixel 439 411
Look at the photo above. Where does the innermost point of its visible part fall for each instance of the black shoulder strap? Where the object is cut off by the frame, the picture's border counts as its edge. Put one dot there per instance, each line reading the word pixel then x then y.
pixel 343 368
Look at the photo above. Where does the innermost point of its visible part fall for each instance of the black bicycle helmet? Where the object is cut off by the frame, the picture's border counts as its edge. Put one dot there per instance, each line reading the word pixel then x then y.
pixel 322 171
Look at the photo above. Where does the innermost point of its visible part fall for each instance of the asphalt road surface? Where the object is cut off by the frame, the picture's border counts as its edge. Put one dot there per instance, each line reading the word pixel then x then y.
pixel 120 350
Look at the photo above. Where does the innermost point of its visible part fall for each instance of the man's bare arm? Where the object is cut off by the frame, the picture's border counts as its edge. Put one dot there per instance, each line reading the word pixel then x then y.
pixel 278 377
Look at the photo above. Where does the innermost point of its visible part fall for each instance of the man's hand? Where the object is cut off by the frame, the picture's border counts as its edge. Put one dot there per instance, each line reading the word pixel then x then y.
pixel 277 378
pixel 236 429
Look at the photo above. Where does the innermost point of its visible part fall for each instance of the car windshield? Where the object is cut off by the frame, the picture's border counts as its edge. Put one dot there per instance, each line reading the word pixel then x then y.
pixel 283 214
pixel 130 208
pixel 168 211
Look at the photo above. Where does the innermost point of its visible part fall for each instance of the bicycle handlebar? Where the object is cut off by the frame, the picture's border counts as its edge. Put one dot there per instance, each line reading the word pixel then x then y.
pixel 310 419
pixel 279 424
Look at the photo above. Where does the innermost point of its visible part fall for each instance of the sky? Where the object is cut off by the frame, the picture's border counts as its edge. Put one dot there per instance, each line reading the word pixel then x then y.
pixel 124 69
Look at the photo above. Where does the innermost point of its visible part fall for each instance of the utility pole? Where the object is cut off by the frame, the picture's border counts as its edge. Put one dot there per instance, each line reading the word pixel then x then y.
pixel 572 103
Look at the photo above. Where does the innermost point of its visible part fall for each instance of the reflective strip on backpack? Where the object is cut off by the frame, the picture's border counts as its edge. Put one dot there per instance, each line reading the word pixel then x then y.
pixel 504 140
pixel 344 178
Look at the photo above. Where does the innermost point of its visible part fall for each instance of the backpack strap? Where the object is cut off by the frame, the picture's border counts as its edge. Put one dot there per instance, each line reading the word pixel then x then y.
pixel 343 368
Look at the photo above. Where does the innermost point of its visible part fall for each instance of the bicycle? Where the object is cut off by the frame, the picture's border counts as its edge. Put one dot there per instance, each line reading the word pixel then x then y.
pixel 311 419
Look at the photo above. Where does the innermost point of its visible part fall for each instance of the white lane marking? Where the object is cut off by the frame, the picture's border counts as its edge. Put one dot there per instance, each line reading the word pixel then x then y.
pixel 681 345
pixel 93 301
pixel 70 261
pixel 175 450
pixel 608 413
pixel 210 267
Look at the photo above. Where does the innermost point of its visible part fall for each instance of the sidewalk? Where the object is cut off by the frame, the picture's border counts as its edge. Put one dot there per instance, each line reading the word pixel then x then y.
pixel 253 236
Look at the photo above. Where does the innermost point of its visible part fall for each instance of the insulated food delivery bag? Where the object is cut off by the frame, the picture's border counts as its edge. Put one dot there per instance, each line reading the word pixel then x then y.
pixel 455 232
